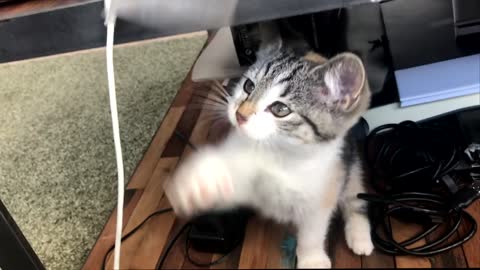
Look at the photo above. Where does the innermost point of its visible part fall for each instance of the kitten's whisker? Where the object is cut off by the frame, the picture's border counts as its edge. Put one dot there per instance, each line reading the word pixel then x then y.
pixel 198 97
pixel 210 96
pixel 209 103
pixel 215 95
pixel 220 120
pixel 201 108
pixel 201 98
pixel 211 119
pixel 214 92
pixel 207 106
pixel 221 97
pixel 218 84
pixel 218 92
pixel 214 113
pixel 214 110
pixel 208 122
pixel 219 87
pixel 214 117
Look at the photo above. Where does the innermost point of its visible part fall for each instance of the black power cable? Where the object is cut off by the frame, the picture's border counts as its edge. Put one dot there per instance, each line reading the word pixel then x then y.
pixel 170 245
pixel 162 211
pixel 412 166
pixel 430 211
pixel 407 156
pixel 207 264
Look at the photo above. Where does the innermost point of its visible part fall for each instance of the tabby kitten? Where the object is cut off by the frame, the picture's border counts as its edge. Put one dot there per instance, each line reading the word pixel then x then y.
pixel 290 155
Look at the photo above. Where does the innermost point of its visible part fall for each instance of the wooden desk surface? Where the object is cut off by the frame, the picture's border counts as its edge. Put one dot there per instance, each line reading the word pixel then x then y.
pixel 23 8
pixel 261 247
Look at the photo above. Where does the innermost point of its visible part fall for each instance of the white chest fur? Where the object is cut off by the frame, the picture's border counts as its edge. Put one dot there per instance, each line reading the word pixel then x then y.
pixel 286 180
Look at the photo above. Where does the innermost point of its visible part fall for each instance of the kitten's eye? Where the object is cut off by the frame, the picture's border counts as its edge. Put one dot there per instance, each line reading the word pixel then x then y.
pixel 279 109
pixel 248 86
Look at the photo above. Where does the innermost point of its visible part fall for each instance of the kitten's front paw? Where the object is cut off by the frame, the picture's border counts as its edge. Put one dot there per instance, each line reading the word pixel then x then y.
pixel 314 261
pixel 357 234
pixel 199 185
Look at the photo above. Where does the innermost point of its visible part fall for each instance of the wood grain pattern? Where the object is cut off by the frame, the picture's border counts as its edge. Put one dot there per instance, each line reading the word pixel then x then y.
pixel 261 246
pixel 229 262
pixel 197 136
pixel 162 136
pixel 154 239
pixel 472 247
pixel 107 236
pixel 454 258
pixel 176 257
pixel 154 152
pixel 402 232
pixel 252 255
pixel 22 8
pixel 142 176
pixel 378 259
pixel 152 199
pixel 198 257
pixel 275 236
pixel 341 255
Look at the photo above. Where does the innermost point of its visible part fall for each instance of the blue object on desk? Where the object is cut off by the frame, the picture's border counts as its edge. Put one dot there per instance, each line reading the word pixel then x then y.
pixel 289 245
pixel 437 81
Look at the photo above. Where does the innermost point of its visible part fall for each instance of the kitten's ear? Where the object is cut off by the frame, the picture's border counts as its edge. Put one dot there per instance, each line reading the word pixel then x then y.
pixel 344 76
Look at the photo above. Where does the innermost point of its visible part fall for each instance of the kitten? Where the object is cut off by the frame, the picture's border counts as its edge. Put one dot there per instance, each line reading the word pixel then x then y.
pixel 290 155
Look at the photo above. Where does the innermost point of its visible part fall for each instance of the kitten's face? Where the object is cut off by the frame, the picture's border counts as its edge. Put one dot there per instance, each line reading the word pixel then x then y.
pixel 302 99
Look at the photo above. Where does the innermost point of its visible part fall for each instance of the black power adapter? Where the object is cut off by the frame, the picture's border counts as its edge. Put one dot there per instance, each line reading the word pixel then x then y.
pixel 218 232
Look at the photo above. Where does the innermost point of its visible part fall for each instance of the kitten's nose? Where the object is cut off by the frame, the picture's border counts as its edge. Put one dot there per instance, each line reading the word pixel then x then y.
pixel 240 118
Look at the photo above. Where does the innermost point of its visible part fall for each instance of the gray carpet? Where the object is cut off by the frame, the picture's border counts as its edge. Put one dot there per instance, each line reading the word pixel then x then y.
pixel 57 164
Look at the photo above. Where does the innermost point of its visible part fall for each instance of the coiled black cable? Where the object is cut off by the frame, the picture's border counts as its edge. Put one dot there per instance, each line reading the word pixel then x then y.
pixel 407 162
pixel 429 210
pixel 408 157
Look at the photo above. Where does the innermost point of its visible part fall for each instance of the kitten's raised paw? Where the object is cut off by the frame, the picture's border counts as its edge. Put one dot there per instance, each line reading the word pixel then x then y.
pixel 198 185
pixel 314 262
pixel 358 237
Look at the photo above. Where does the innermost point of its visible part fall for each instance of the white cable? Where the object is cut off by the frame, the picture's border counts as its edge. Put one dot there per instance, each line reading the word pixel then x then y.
pixel 110 21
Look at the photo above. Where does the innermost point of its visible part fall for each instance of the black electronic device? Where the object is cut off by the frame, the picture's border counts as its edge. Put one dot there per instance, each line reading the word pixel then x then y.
pixel 466 18
pixel 218 232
